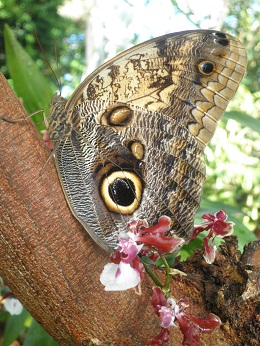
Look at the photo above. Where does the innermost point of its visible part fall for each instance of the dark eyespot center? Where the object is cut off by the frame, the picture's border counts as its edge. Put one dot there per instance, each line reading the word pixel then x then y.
pixel 223 42
pixel 122 192
pixel 220 34
pixel 206 67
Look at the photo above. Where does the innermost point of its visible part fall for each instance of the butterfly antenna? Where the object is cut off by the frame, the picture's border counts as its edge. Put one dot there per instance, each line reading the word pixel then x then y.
pixel 47 61
pixel 57 65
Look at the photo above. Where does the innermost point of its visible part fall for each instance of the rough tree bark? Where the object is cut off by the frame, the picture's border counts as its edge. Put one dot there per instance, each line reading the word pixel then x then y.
pixel 53 267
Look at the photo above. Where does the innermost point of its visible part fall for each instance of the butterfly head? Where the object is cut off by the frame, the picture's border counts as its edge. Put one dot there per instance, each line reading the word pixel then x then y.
pixel 61 119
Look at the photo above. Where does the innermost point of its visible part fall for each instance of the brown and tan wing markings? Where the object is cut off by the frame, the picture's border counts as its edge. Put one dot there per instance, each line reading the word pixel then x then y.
pixel 138 125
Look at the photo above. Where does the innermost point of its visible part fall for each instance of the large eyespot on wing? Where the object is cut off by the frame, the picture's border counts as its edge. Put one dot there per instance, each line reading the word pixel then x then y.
pixel 182 80
pixel 101 179
pixel 121 191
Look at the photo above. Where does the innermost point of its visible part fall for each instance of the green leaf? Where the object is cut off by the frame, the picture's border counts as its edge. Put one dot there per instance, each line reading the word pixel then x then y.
pixel 170 258
pixel 37 336
pixel 3 315
pixel 28 81
pixel 244 119
pixel 15 326
pixel 188 249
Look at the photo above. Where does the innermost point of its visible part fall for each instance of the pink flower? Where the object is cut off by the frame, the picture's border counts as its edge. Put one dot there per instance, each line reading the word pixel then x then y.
pixel 128 249
pixel 190 326
pixel 154 236
pixel 217 227
pixel 126 269
pixel 161 339
pixel 167 315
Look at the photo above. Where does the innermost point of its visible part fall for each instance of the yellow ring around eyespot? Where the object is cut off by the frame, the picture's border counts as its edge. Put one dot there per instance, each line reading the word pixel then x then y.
pixel 110 204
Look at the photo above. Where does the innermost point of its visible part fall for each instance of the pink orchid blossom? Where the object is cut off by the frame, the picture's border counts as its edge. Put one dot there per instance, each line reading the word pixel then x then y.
pixel 217 227
pixel 128 249
pixel 154 236
pixel 126 269
pixel 190 326
pixel 161 339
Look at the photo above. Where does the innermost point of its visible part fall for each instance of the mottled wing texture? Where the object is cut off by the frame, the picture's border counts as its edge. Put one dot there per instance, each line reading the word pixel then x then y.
pixel 131 139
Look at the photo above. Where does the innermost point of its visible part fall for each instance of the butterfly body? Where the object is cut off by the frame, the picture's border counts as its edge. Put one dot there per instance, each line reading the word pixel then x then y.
pixel 129 143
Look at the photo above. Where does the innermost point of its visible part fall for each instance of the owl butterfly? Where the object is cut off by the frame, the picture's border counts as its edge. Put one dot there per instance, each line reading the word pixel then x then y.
pixel 129 143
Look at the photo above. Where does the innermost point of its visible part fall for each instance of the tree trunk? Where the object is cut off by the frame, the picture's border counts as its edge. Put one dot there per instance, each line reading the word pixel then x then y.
pixel 52 266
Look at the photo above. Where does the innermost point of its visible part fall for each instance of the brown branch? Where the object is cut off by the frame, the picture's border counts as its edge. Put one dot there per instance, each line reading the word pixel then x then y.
pixel 51 264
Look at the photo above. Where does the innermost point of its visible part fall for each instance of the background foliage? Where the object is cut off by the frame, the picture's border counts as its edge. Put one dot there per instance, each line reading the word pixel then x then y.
pixel 28 16
pixel 233 169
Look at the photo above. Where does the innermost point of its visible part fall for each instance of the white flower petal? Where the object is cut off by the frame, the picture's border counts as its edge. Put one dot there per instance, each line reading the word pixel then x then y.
pixel 119 277
pixel 109 273
pixel 210 253
pixel 172 303
pixel 123 235
pixel 13 306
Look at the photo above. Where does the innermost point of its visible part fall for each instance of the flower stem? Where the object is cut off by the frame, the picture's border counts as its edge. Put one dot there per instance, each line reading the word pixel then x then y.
pixel 151 274
pixel 166 286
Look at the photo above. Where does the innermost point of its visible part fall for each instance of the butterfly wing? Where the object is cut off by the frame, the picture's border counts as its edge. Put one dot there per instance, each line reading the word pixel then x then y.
pixel 199 70
pixel 137 128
